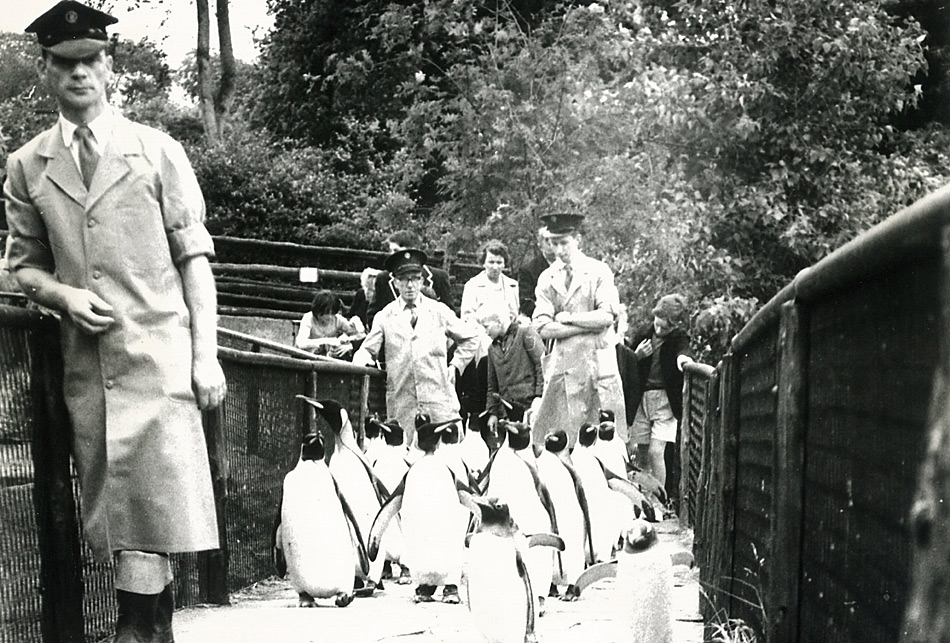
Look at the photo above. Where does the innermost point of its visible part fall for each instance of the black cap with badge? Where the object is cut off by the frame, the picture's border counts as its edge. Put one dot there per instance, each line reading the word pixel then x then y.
pixel 563 223
pixel 405 261
pixel 72 30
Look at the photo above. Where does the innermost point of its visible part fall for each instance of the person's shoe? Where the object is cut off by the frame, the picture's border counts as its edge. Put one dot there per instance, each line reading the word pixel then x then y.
pixel 450 595
pixel 136 621
pixel 163 616
pixel 424 594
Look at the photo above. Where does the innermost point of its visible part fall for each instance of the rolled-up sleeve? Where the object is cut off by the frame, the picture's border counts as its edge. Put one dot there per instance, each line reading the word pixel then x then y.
pixel 183 206
pixel 30 246
pixel 543 303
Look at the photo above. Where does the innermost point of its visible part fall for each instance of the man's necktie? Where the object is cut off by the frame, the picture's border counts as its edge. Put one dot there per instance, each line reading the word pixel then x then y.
pixel 88 156
pixel 568 276
pixel 413 315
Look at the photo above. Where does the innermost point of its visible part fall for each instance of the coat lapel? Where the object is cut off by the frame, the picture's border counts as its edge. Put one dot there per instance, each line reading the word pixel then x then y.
pixel 61 168
pixel 113 164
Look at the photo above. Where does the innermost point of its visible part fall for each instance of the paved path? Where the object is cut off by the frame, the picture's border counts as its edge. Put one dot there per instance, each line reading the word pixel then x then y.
pixel 267 613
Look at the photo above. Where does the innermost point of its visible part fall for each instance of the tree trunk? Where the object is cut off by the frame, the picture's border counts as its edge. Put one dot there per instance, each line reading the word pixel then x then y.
pixel 225 94
pixel 205 73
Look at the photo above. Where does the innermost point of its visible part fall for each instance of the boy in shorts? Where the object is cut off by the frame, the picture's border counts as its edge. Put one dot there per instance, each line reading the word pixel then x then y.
pixel 662 350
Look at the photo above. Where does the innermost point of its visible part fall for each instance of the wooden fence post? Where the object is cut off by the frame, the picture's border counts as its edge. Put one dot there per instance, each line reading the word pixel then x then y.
pixel 927 617
pixel 729 430
pixel 784 569
pixel 686 494
pixel 213 564
pixel 57 528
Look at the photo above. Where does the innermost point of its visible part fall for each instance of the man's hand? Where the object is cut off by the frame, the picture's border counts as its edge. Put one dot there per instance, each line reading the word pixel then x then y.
pixel 88 310
pixel 493 423
pixel 564 317
pixel 209 384
pixel 644 349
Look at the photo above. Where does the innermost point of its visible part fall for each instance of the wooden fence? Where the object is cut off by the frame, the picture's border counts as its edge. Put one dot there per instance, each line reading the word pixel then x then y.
pixel 799 479
pixel 51 589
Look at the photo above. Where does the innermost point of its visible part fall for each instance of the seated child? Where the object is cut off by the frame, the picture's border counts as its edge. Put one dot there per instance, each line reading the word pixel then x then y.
pixel 515 379
pixel 324 331
pixel 662 350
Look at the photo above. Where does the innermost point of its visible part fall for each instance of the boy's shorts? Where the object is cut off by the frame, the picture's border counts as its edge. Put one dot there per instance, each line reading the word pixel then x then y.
pixel 654 419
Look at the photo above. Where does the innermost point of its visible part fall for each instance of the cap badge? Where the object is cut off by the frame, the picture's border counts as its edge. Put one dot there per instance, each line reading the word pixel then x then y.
pixel 407 255
pixel 71 17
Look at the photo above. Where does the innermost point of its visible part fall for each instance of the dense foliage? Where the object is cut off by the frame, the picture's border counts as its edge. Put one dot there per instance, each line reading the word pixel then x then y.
pixel 716 147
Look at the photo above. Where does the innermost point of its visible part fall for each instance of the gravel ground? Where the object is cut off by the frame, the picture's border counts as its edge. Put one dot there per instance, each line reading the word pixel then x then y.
pixel 268 612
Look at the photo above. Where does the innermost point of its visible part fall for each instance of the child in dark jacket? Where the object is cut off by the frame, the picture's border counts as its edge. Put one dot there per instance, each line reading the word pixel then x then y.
pixel 662 350
pixel 515 379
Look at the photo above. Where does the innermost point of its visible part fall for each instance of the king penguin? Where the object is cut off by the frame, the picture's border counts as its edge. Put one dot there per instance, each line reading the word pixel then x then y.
pixel 644 585
pixel 356 480
pixel 501 599
pixel 316 534
pixel 514 483
pixel 569 504
pixel 390 467
pixel 434 519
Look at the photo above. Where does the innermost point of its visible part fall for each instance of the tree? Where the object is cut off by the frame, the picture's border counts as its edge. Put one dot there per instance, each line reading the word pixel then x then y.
pixel 215 103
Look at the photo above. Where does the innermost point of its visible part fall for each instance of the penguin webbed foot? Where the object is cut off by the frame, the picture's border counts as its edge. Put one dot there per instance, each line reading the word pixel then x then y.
pixel 304 599
pixel 364 588
pixel 571 594
pixel 342 599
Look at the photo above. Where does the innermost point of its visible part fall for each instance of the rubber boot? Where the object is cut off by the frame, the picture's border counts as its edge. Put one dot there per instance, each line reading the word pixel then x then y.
pixel 136 622
pixel 163 616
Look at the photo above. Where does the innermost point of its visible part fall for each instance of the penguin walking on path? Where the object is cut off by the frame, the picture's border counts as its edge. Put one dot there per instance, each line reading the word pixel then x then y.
pixel 358 484
pixel 390 467
pixel 316 539
pixel 644 586
pixel 434 519
pixel 570 509
pixel 512 480
pixel 501 598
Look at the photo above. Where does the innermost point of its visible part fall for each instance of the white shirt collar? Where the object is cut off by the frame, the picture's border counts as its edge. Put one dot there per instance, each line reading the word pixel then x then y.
pixel 102 127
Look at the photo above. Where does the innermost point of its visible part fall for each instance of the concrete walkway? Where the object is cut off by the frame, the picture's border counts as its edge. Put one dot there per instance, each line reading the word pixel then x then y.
pixel 268 613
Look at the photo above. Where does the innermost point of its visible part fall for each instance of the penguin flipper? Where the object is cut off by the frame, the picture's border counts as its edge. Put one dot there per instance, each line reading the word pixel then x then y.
pixel 483 476
pixel 354 529
pixel 386 513
pixel 650 485
pixel 632 492
pixel 585 510
pixel 593 574
pixel 546 540
pixel 276 541
pixel 529 594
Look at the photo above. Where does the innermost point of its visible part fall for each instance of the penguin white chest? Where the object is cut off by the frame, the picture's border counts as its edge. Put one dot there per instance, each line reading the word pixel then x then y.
pixel 314 533
pixel 496 591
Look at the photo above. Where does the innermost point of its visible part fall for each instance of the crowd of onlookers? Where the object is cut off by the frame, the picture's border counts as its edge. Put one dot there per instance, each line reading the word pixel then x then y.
pixel 550 348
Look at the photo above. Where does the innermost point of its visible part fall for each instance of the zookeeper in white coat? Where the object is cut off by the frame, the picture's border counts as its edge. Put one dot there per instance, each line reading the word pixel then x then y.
pixel 106 218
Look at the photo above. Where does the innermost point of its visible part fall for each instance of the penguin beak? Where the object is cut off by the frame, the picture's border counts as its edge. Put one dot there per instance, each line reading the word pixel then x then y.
pixel 312 402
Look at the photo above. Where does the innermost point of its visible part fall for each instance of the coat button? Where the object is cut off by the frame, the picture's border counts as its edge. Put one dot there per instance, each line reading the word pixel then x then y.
pixel 96 274
pixel 109 384
pixel 91 223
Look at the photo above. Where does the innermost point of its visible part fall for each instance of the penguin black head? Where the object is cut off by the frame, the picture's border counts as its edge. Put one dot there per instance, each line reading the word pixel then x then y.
pixel 606 415
pixel 519 436
pixel 429 433
pixel 451 435
pixel 606 431
pixel 311 447
pixel 372 427
pixel 640 537
pixel 556 441
pixel 393 433
pixel 329 410
pixel 587 434
pixel 495 513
